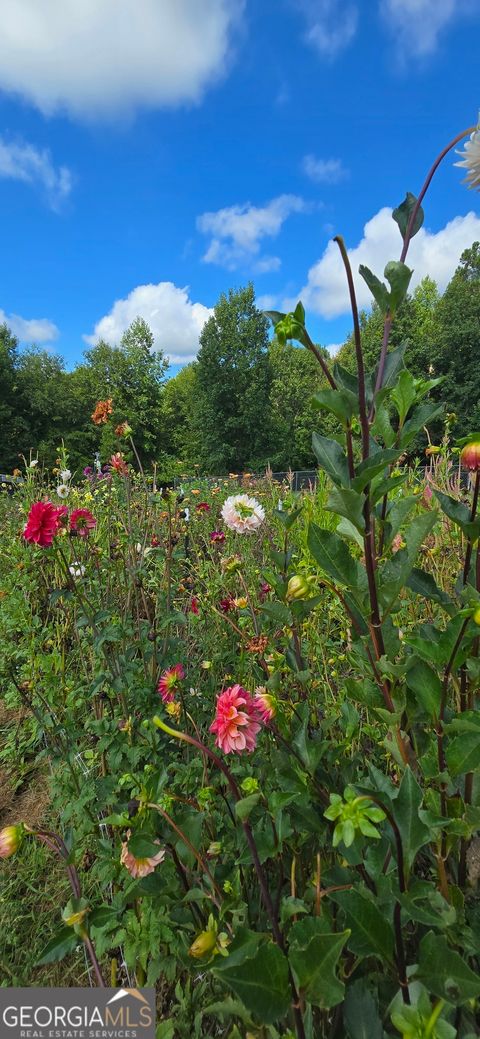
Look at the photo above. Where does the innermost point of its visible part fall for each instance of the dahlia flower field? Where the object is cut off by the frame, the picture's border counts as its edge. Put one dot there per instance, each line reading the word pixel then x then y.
pixel 248 722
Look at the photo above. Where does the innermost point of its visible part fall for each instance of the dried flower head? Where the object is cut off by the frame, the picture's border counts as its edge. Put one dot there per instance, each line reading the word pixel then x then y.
pixel 103 409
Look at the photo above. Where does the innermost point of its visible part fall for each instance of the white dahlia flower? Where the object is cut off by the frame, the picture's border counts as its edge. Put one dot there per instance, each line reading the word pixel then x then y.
pixel 65 475
pixel 63 490
pixel 471 159
pixel 77 570
pixel 242 513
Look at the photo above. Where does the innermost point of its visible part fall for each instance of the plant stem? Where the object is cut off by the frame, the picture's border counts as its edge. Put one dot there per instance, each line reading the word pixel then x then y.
pixel 406 243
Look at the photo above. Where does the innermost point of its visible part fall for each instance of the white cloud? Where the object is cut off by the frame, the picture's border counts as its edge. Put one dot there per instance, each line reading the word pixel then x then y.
pixel 333 348
pixel 434 254
pixel 324 171
pixel 237 232
pixel 417 24
pixel 175 321
pixel 33 330
pixel 22 161
pixel 95 57
pixel 331 24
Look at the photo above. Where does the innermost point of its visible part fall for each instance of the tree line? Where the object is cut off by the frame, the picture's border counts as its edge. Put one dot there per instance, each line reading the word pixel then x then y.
pixel 245 402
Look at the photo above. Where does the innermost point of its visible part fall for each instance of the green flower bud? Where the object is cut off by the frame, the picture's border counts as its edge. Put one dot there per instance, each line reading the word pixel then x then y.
pixel 298 588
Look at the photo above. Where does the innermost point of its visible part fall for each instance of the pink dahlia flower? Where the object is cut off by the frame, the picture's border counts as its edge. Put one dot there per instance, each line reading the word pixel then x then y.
pixel 265 704
pixel 170 681
pixel 237 721
pixel 42 524
pixel 82 522
pixel 242 513
pixel 140 867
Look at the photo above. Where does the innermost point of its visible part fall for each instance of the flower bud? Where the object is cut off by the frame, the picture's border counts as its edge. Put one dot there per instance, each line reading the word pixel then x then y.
pixel 432 449
pixel 470 456
pixel 476 615
pixel 297 588
pixel 204 944
pixel 214 849
pixel 10 840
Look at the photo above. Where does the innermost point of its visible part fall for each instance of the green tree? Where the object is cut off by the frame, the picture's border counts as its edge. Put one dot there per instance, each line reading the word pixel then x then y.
pixel 132 375
pixel 180 439
pixel 457 329
pixel 296 377
pixel 11 421
pixel 233 384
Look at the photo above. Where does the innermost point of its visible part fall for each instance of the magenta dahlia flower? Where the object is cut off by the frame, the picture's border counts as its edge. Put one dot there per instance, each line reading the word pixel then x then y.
pixel 170 681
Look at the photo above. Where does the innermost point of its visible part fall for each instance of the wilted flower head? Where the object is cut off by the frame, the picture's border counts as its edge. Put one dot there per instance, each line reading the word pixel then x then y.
pixel 63 490
pixel 230 564
pixel 217 537
pixel 257 644
pixel 264 590
pixel 242 513
pixel 123 430
pixel 103 409
pixel 202 506
pixel 10 840
pixel 227 604
pixel 65 475
pixel 82 522
pixel 43 522
pixel 265 704
pixel 193 605
pixel 170 681
pixel 140 867
pixel 118 463
pixel 471 159
pixel 236 722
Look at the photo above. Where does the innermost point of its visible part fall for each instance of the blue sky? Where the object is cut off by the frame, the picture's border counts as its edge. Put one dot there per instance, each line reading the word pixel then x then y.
pixel 154 153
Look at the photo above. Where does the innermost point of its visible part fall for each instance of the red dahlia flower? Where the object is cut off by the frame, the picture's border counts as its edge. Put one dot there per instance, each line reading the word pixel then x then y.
pixel 43 522
pixel 237 721
pixel 82 522
pixel 202 506
pixel 118 463
pixel 217 537
pixel 193 607
pixel 170 681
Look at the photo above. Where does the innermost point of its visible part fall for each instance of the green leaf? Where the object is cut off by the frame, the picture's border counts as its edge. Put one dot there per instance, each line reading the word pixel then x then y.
pixel 406 807
pixel 349 531
pixel 397 514
pixel 348 503
pixel 463 754
pixel 59 946
pixel 426 686
pixel 422 583
pixel 403 212
pixel 314 966
pixel 360 1012
pixel 245 806
pixel 421 416
pixel 260 981
pixel 398 276
pixel 332 459
pixel 142 845
pixel 395 573
pixel 341 403
pixel 104 915
pixel 444 972
pixel 382 427
pixel 371 931
pixel 373 466
pixel 378 289
pixel 277 612
pixel 459 514
pixel 404 394
pixel 335 558
pixel 394 363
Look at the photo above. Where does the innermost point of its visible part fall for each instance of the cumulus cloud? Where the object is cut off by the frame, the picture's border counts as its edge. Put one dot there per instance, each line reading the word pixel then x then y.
pixel 95 57
pixel 324 171
pixel 331 24
pixel 237 232
pixel 175 321
pixel 436 254
pixel 416 25
pixel 30 330
pixel 24 162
